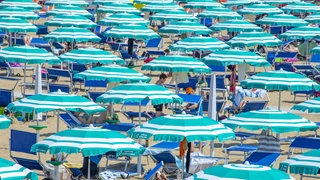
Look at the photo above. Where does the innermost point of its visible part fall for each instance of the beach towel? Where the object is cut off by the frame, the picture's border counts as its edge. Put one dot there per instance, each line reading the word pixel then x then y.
pixel 268 143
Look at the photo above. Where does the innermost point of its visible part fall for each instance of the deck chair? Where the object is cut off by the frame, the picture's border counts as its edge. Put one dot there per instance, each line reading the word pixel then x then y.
pixel 10 69
pixel 152 47
pixel 123 127
pixel 284 66
pixel 21 142
pixel 55 87
pixel 133 115
pixel 7 95
pixel 275 30
pixel 270 56
pixel 303 143
pixel 286 55
pixel 42 30
pixel 191 99
pixel 54 72
pixel 152 173
pixel 89 84
pixel 254 105
pixel 70 120
pixel 315 58
pixel 94 95
pixel 262 158
pixel 171 163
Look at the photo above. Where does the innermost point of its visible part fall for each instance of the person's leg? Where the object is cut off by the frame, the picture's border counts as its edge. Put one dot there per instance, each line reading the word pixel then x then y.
pixel 102 117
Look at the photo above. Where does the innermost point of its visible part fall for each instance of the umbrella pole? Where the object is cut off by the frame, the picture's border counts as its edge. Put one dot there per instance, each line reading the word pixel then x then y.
pixel 88 168
pixel 212 106
pixel 57 113
pixel 56 172
pixel 139 157
pixel 279 100
pixel 24 79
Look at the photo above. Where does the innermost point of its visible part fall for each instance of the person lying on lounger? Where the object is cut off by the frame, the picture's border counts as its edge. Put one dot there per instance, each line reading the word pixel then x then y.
pixel 91 119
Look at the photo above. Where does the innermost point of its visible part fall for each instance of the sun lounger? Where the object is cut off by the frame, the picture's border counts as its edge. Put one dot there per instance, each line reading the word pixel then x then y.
pixel 303 143
pixel 262 158
pixel 133 115
pixel 152 173
pixel 10 69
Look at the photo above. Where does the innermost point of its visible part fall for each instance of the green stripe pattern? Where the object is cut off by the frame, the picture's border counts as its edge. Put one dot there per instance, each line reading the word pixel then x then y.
pixel 275 120
pixel 69 10
pixel 11 24
pixel 235 25
pixel 158 7
pixel 234 57
pixel 176 127
pixel 118 8
pixel 172 15
pixel 152 1
pixel 106 2
pixel 223 13
pixel 240 2
pixel 55 101
pixel 282 20
pixel 279 2
pixel 123 19
pixel 313 18
pixel 179 27
pixel 202 5
pixel 137 92
pixel 312 106
pixel 132 31
pixel 70 34
pixel 257 9
pixel 66 2
pixel 248 39
pixel 10 171
pixel 113 73
pixel 28 54
pixel 90 141
pixel 176 63
pixel 71 20
pixel 301 7
pixel 4 123
pixel 27 4
pixel 305 32
pixel 18 12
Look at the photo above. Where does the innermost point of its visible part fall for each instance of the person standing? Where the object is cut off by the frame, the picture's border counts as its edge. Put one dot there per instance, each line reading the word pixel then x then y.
pixel 160 82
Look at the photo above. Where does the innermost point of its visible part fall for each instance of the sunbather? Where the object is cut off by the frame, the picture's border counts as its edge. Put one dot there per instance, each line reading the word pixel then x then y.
pixel 91 119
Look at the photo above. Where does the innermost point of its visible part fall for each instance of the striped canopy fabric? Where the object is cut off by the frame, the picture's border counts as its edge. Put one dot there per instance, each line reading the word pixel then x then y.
pixel 202 5
pixel 28 54
pixel 18 12
pixel 240 172
pixel 248 39
pixel 4 123
pixel 137 92
pixel 176 63
pixel 55 101
pixel 10 170
pixel 118 8
pixel 69 10
pixel 311 106
pixel 27 4
pixel 280 80
pixel 200 43
pixel 10 24
pixel 269 119
pixel 279 2
pixel 123 19
pixel 233 57
pixel 113 73
pixel 90 55
pixel 70 21
pixel 301 7
pixel 89 141
pixel 305 32
pixel 220 12
pixel 258 9
pixel 152 1
pixel 179 27
pixel 176 127
pixel 235 25
pixel 307 163
pixel 315 50
pixel 106 2
pixel 158 7
pixel 240 2
pixel 132 31
pixel 172 15
pixel 282 20
pixel 66 2
pixel 71 34
pixel 313 18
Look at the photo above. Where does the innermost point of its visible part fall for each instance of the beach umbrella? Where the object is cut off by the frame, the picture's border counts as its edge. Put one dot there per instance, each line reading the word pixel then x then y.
pixel 11 170
pixel 280 80
pixel 27 4
pixel 132 31
pixel 219 12
pixel 113 73
pixel 240 2
pixel 235 25
pixel 152 1
pixel 4 123
pixel 179 27
pixel 71 34
pixel 258 9
pixel 69 10
pixel 305 32
pixel 70 21
pixel 106 2
pixel 279 2
pixel 248 39
pixel 123 19
pixel 315 50
pixel 199 43
pixel 269 119
pixel 18 12
pixel 90 55
pixel 172 15
pixel 282 20
pixel 14 25
pixel 66 2
pixel 241 171
pixel 158 7
pixel 203 5
pixel 312 106
pixel 305 163
pixel 233 57
pixel 301 7
pixel 118 8
pixel 313 18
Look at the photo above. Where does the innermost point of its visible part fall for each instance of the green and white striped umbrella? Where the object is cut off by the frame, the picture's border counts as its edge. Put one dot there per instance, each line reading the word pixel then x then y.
pixel 203 5
pixel 90 141
pixel 313 18
pixel 176 127
pixel 269 119
pixel 305 32
pixel 71 34
pixel 179 27
pixel 152 1
pixel 54 101
pixel 66 2
pixel 235 25
pixel 240 172
pixel 11 24
pixel 106 2
pixel 279 2
pixel 132 31
pixel 176 63
pixel 301 7
pixel 222 13
pixel 201 43
pixel 234 56
pixel 28 54
pixel 27 4
pixel 158 7
pixel 118 8
pixel 113 73
pixel 10 170
pixel 123 19
pixel 70 21
pixel 90 55
pixel 240 2
pixel 18 12
pixel 69 10
pixel 282 20
pixel 4 123
pixel 315 50
pixel 172 15
pixel 137 92
pixel 258 9
pixel 248 39
pixel 307 163
pixel 312 106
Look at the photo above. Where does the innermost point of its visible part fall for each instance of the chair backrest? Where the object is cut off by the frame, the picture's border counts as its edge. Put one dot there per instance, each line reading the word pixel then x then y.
pixel 219 82
pixel 165 157
pixel 42 30
pixel 275 30
pixel 21 141
pixel 125 55
pixel 59 72
pixel 254 105
pixel 270 56
pixel 114 46
pixel 4 65
pixel 315 58
pixel 61 87
pixel 153 172
pixel 124 127
pixel 303 67
pixel 262 158
pixel 193 81
pixel 215 68
pixel 76 67
pixel 6 97
pixel 95 83
pixel 193 99
pixel 70 120
pixel 219 105
pixel 286 54
pixel 94 95
pixel 306 143
pixel 284 66
pixel 206 21
pixel 153 43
